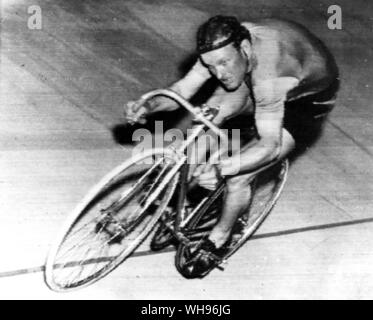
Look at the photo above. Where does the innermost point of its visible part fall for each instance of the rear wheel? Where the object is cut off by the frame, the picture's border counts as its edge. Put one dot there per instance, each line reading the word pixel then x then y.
pixel 112 220
pixel 266 189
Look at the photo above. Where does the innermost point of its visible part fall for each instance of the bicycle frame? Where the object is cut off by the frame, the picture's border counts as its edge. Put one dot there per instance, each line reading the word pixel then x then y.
pixel 181 220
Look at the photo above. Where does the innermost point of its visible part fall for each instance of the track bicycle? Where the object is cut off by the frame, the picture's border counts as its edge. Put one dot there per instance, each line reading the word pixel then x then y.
pixel 151 191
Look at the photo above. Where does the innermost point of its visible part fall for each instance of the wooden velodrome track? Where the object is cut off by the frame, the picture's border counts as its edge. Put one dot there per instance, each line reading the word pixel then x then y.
pixel 61 95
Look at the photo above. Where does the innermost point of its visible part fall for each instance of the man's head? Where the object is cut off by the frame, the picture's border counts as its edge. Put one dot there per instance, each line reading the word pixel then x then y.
pixel 223 44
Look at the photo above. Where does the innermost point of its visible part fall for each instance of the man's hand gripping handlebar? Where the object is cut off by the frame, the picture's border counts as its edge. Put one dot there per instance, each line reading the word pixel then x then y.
pixel 135 111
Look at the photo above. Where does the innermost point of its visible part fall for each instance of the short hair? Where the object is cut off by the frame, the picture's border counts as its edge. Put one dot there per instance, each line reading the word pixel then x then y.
pixel 220 31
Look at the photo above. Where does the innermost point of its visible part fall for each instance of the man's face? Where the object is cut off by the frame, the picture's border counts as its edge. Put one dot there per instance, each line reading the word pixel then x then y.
pixel 228 65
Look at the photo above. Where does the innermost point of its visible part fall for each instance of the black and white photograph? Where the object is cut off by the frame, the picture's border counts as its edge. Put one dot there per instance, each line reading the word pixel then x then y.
pixel 175 150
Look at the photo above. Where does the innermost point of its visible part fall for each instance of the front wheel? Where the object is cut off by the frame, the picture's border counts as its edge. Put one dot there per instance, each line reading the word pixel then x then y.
pixel 112 220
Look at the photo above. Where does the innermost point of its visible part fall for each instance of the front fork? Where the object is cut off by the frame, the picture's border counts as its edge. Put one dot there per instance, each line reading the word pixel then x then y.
pixel 180 209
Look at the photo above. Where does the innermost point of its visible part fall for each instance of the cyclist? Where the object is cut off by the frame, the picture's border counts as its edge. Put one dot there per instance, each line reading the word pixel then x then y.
pixel 276 81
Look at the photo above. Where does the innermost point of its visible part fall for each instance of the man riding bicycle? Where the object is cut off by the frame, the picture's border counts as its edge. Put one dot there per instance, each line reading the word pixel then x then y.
pixel 277 81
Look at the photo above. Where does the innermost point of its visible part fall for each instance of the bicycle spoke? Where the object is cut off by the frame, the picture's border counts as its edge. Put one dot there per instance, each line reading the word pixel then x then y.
pixel 76 245
pixel 135 187
pixel 86 263
pixel 112 223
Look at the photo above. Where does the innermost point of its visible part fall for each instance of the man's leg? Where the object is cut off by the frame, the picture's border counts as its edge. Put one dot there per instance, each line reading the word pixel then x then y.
pixel 236 202
pixel 238 195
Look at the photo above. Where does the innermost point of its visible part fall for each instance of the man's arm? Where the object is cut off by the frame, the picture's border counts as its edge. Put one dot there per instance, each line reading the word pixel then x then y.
pixel 266 150
pixel 271 96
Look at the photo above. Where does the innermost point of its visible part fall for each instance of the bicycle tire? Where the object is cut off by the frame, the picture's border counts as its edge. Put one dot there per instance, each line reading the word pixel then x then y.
pixel 111 216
